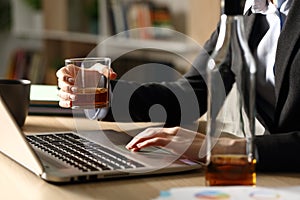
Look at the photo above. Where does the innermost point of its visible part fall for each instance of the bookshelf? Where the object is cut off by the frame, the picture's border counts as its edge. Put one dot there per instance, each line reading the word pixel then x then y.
pixel 62 28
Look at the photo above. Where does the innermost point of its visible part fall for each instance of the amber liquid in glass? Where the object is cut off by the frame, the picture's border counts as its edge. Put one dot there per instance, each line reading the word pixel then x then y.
pixel 225 170
pixel 91 98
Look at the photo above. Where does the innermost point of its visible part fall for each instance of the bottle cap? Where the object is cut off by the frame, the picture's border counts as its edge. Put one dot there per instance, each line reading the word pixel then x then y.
pixel 233 7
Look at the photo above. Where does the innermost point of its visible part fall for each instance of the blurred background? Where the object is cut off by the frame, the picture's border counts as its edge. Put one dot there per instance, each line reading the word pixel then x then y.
pixel 37 35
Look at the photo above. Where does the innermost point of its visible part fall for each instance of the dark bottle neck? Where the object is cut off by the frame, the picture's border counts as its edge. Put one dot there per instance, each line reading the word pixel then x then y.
pixel 232 7
pixel 232 34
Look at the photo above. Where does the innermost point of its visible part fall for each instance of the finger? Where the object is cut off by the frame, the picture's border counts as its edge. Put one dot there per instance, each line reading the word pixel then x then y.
pixel 150 133
pixel 65 104
pixel 103 69
pixel 133 143
pixel 68 79
pixel 65 87
pixel 62 72
pixel 144 135
pixel 113 75
pixel 67 73
pixel 65 96
pixel 139 142
pixel 109 73
pixel 158 141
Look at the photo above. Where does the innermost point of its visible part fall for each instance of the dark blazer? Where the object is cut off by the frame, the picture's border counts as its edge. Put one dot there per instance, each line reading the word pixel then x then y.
pixel 277 150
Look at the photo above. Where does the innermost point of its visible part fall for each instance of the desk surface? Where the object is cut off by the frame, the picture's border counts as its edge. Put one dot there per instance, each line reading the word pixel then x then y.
pixel 18 183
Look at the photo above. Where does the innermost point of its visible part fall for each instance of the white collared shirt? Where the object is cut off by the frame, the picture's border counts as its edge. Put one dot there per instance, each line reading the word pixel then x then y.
pixel 266 49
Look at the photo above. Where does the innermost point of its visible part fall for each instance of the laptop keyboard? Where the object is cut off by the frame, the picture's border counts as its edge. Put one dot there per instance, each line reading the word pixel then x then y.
pixel 81 153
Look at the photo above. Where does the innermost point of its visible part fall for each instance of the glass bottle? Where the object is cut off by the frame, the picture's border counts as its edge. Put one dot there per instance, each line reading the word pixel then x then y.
pixel 231 102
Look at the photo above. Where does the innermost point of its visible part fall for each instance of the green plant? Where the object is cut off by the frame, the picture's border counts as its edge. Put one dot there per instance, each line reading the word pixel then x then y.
pixel 35 4
pixel 5 15
pixel 91 8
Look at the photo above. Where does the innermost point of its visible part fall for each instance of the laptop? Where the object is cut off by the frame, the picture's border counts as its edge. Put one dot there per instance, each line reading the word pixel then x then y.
pixel 63 157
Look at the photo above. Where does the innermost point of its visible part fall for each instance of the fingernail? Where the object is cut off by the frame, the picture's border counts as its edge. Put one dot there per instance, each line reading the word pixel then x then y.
pixel 71 80
pixel 72 97
pixel 74 89
pixel 134 149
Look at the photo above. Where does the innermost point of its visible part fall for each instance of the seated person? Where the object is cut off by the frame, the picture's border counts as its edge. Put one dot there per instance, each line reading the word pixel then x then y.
pixel 278 93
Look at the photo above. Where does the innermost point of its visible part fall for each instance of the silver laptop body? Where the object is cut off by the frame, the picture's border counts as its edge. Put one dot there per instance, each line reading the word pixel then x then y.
pixel 22 149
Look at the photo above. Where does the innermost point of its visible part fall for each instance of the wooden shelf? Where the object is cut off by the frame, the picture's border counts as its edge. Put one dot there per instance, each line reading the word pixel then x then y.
pixel 118 43
pixel 58 42
pixel 181 47
pixel 59 35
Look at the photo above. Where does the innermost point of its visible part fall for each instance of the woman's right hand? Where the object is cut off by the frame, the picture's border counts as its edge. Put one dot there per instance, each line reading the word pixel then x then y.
pixel 66 79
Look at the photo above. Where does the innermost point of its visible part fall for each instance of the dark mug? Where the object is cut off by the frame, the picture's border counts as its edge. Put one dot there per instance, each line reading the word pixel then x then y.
pixel 16 95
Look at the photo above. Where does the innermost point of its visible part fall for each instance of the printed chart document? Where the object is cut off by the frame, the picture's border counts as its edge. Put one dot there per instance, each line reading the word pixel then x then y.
pixel 231 193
